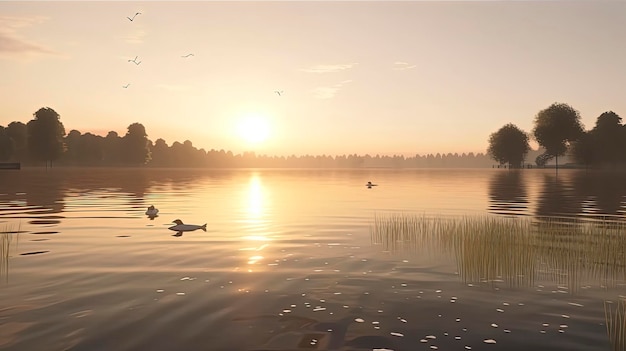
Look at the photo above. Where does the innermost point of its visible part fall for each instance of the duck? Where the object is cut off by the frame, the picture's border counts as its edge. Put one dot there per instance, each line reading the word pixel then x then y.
pixel 180 227
pixel 152 211
pixel 369 184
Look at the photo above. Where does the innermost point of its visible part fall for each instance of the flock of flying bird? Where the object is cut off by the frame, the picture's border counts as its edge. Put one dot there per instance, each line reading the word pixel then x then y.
pixel 132 19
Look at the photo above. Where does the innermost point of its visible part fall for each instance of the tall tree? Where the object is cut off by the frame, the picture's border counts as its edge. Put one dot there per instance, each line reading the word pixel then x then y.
pixel 556 127
pixel 45 135
pixel 136 145
pixel 509 145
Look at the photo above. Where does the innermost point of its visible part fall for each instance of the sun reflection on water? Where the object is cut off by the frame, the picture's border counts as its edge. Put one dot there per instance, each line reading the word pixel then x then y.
pixel 255 218
pixel 255 198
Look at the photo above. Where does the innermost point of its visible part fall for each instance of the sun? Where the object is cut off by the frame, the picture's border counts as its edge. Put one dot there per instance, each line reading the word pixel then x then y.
pixel 254 128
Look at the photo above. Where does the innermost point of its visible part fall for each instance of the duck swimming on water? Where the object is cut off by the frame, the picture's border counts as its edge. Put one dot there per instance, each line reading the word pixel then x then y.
pixel 369 184
pixel 180 227
pixel 152 211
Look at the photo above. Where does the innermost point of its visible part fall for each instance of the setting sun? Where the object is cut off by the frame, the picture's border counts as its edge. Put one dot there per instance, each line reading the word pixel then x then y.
pixel 254 128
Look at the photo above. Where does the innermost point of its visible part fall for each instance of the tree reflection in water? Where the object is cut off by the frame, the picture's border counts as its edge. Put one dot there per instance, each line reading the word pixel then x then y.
pixel 507 193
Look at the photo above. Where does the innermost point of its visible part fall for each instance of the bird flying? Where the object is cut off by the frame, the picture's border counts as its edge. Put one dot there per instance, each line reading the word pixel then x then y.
pixel 187 55
pixel 135 60
pixel 125 86
pixel 279 92
pixel 131 19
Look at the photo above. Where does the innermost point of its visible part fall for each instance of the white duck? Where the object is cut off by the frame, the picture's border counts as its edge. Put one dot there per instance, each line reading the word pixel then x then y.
pixel 152 211
pixel 180 227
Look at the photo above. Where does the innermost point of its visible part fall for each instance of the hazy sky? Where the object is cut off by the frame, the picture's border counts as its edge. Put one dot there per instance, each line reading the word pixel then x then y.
pixel 357 77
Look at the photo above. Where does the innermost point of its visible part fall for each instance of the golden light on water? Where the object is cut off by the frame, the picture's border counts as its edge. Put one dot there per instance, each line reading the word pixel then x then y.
pixel 254 259
pixel 256 210
pixel 256 198
pixel 257 238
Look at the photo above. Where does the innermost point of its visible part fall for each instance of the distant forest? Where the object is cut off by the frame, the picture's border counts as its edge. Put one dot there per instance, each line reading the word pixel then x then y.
pixel 44 141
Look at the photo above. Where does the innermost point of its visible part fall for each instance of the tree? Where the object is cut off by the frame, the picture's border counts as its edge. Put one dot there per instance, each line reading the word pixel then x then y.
pixel 623 158
pixel 160 153
pixel 45 135
pixel 136 145
pixel 91 149
pixel 583 150
pixel 112 149
pixel 18 133
pixel 604 145
pixel 608 140
pixel 7 147
pixel 543 159
pixel 72 143
pixel 556 127
pixel 509 145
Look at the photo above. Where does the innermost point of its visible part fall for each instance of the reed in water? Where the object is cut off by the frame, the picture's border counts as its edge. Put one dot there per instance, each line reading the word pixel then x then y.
pixel 615 317
pixel 6 238
pixel 517 250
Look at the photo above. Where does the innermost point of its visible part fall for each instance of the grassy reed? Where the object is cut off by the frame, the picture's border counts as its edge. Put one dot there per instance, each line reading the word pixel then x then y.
pixel 6 238
pixel 615 318
pixel 517 250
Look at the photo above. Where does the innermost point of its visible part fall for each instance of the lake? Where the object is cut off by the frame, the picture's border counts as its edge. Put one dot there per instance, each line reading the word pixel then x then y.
pixel 289 261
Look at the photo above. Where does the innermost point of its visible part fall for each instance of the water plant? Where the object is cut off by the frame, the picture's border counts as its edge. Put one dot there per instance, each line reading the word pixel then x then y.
pixel 6 238
pixel 518 249
pixel 615 318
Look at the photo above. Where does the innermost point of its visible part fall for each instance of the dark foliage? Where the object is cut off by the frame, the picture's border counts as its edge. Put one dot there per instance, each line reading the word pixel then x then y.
pixel 509 145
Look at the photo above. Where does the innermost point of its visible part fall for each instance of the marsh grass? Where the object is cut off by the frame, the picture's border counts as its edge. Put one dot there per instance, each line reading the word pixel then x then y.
pixel 615 317
pixel 516 250
pixel 6 238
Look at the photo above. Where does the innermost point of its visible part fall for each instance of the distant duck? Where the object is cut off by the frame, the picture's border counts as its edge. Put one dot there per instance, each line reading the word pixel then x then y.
pixel 180 227
pixel 369 184
pixel 152 211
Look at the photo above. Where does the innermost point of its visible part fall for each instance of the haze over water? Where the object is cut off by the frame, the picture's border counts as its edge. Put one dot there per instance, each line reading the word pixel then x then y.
pixel 288 261
pixel 303 259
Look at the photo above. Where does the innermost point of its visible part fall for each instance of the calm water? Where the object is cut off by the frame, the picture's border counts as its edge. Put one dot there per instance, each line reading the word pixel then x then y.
pixel 288 262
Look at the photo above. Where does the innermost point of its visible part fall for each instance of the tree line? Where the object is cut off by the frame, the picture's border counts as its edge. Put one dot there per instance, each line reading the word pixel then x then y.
pixel 559 131
pixel 44 140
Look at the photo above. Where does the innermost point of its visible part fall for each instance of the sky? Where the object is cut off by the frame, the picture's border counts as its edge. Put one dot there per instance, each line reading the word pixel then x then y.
pixel 365 77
